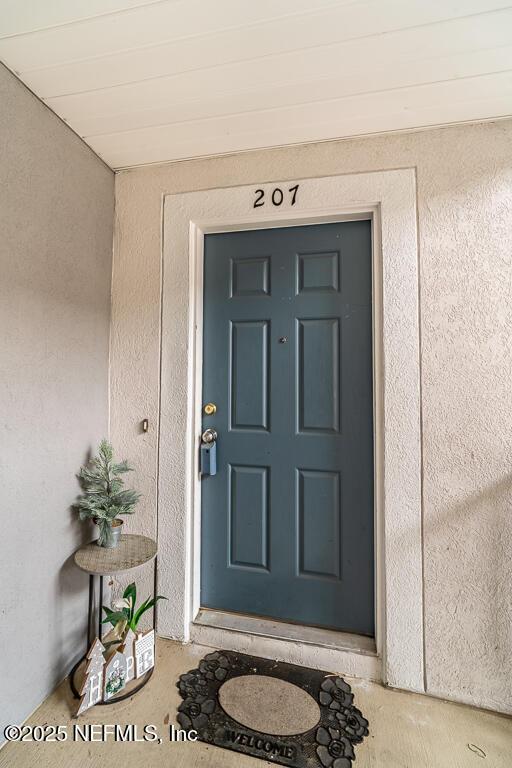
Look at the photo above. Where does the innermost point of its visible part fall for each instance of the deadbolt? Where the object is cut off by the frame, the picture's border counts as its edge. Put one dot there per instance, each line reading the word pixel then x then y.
pixel 210 409
pixel 209 436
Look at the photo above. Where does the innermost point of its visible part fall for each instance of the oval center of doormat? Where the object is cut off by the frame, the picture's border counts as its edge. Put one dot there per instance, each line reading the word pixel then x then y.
pixel 269 705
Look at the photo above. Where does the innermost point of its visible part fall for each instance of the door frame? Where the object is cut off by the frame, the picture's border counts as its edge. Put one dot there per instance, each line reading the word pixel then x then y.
pixel 388 199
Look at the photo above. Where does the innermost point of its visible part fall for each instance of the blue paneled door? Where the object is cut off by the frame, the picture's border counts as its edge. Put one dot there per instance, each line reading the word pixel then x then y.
pixel 287 526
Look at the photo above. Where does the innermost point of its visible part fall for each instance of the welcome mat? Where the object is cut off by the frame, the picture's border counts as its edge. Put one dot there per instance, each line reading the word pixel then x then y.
pixel 290 715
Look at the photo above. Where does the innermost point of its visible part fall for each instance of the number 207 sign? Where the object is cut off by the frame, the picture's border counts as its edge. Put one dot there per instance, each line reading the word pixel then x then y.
pixel 275 197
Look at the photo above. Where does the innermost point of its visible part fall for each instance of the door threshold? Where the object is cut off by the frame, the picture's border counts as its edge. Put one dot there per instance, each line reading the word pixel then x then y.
pixel 279 630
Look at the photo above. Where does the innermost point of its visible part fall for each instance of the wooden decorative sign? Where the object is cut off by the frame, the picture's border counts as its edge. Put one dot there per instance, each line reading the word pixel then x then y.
pixel 144 652
pixel 128 651
pixel 115 675
pixel 105 678
pixel 91 691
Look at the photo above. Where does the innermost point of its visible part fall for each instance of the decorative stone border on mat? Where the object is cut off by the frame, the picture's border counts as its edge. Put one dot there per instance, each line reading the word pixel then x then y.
pixel 330 744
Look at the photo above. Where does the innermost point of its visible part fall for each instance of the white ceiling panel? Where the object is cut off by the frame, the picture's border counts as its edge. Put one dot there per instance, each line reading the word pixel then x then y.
pixel 300 34
pixel 145 26
pixel 341 62
pixel 359 114
pixel 272 96
pixel 21 16
pixel 146 82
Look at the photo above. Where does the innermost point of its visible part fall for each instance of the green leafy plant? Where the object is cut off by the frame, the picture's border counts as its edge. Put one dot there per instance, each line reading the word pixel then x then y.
pixel 126 615
pixel 104 497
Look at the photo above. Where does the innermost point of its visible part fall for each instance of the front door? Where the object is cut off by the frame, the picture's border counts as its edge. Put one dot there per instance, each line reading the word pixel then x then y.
pixel 287 522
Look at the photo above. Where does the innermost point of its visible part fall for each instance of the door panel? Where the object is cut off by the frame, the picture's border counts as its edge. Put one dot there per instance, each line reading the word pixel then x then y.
pixel 318 384
pixel 318 272
pixel 250 277
pixel 287 522
pixel 249 508
pixel 319 523
pixel 249 394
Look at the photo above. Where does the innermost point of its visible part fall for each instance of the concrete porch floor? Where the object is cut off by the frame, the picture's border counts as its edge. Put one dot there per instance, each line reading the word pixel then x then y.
pixel 406 730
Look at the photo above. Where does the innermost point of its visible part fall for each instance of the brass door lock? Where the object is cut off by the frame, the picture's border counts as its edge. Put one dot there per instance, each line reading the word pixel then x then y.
pixel 210 409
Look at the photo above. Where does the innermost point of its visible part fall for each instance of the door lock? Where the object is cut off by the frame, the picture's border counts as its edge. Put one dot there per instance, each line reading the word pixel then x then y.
pixel 209 435
pixel 210 409
pixel 208 452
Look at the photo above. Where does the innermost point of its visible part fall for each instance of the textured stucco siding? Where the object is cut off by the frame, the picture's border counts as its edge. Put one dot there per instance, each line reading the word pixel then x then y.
pixel 56 221
pixel 464 186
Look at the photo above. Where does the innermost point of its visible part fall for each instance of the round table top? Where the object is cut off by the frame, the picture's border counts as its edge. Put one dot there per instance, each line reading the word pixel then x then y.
pixel 132 550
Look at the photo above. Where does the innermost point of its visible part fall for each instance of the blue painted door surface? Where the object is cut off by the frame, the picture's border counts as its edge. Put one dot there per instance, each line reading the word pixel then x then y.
pixel 287 521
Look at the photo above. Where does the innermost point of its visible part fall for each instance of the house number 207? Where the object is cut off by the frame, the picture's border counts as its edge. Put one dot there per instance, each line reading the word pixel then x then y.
pixel 277 196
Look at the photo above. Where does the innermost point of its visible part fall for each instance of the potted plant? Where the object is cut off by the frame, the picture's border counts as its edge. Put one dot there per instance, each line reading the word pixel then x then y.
pixel 125 615
pixel 104 498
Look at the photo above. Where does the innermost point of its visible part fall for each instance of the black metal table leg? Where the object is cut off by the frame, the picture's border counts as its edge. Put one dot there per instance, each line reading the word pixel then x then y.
pixel 155 587
pixel 100 605
pixel 90 612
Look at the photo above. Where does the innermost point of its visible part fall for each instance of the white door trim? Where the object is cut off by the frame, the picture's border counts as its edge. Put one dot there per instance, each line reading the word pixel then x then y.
pixel 389 198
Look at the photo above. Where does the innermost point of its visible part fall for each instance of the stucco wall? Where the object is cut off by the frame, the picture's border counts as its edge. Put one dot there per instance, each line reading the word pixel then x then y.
pixel 464 184
pixel 56 220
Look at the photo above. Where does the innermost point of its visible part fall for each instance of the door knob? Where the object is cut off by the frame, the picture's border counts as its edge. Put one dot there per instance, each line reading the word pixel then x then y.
pixel 208 452
pixel 209 435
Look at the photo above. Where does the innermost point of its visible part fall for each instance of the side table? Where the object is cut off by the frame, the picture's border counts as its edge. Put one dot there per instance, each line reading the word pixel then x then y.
pixel 131 552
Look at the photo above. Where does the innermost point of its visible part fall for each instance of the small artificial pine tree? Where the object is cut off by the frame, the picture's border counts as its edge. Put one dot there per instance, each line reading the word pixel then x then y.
pixel 104 498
